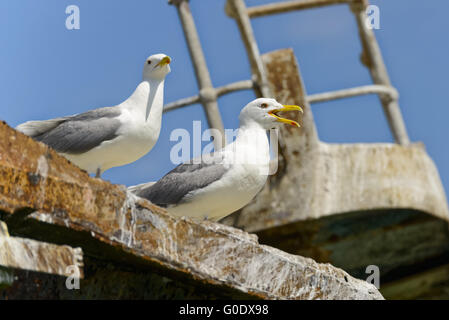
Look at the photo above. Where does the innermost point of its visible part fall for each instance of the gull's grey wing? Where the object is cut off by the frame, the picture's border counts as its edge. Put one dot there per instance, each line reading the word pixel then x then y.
pixel 75 134
pixel 185 178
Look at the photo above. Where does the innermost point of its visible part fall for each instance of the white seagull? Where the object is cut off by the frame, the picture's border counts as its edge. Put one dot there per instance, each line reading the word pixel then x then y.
pixel 103 138
pixel 217 184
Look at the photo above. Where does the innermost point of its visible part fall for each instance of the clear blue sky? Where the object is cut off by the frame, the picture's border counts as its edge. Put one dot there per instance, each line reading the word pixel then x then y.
pixel 48 71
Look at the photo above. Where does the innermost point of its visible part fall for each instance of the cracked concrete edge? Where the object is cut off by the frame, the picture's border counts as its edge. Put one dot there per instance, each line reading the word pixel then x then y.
pixel 27 254
pixel 220 255
pixel 63 195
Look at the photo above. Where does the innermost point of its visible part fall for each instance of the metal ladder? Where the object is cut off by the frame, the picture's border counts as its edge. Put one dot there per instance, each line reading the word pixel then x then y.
pixel 371 57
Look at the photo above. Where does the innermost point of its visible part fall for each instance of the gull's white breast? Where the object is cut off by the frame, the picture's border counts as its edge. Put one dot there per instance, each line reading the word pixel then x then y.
pixel 136 137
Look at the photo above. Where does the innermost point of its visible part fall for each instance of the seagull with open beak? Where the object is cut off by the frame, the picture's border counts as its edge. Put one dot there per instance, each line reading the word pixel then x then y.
pixel 217 184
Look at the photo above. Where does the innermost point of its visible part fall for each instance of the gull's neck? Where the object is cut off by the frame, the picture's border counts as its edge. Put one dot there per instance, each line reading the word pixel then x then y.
pixel 148 99
pixel 250 127
pixel 251 144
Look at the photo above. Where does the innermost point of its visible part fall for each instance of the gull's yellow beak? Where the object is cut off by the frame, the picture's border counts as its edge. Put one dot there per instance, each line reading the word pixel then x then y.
pixel 286 108
pixel 166 60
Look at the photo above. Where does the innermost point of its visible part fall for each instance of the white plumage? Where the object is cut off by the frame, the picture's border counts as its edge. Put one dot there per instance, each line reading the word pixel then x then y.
pixel 103 138
pixel 205 188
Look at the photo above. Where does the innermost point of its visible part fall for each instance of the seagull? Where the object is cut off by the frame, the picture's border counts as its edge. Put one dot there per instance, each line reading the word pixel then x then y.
pixel 100 139
pixel 217 184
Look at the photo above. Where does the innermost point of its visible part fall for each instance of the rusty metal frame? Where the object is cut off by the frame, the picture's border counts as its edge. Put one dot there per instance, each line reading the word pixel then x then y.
pixel 371 57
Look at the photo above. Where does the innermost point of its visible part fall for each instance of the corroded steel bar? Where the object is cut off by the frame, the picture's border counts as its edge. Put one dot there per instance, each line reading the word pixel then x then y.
pixel 274 8
pixel 235 86
pixel 372 58
pixel 313 98
pixel 351 92
pixel 184 102
pixel 237 9
pixel 207 93
pixel 232 87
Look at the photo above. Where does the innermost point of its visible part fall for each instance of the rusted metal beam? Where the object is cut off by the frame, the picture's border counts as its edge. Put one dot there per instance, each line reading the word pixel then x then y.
pixel 287 86
pixel 236 86
pixel 232 87
pixel 281 7
pixel 352 92
pixel 237 8
pixel 35 177
pixel 312 98
pixel 207 93
pixel 372 58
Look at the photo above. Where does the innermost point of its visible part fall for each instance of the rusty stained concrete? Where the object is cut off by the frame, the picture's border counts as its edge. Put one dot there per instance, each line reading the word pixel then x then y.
pixel 317 179
pixel 33 176
pixel 27 254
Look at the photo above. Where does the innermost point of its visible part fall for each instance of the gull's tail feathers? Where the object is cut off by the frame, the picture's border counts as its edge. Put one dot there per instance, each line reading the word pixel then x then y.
pixel 36 128
pixel 139 187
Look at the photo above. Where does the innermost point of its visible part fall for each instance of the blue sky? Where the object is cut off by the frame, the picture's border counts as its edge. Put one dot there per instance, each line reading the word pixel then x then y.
pixel 48 71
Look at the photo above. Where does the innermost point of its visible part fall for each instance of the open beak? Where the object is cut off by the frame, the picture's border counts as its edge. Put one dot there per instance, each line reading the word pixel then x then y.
pixel 166 60
pixel 273 113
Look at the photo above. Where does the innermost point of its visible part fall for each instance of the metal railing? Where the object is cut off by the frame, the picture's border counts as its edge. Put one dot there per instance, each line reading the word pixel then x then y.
pixel 371 57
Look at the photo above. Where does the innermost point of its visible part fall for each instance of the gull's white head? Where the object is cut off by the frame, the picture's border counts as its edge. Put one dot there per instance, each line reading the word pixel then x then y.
pixel 156 67
pixel 264 111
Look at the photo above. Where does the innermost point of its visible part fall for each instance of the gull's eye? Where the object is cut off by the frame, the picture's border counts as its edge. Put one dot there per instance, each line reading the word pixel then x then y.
pixel 264 105
pixel 149 61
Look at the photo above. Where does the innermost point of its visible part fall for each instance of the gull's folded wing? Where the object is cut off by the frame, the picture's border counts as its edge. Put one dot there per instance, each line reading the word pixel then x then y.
pixel 75 134
pixel 184 179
